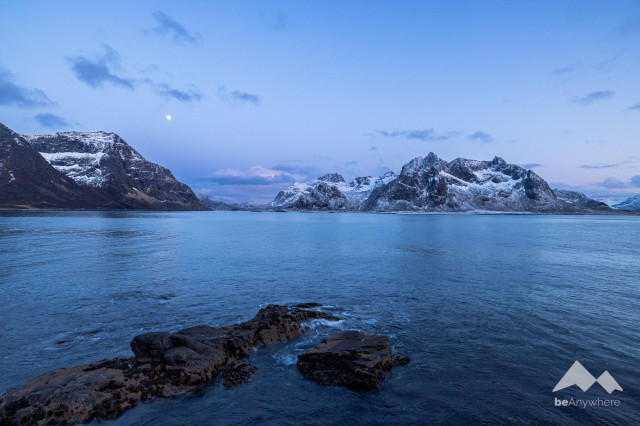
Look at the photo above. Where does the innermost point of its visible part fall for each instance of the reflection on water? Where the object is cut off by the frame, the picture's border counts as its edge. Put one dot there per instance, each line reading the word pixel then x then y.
pixel 492 309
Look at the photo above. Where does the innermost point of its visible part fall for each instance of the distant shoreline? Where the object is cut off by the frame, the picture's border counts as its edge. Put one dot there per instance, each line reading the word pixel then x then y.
pixel 416 213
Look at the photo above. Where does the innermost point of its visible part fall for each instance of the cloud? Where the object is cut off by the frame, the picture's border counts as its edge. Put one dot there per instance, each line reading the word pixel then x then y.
pixel 351 163
pixel 299 170
pixel 51 121
pixel 594 97
pixel 530 165
pixel 568 68
pixel 16 95
pixel 635 107
pixel 257 175
pixel 423 135
pixel 612 182
pixel 168 92
pixel 481 137
pixel 604 165
pixel 97 72
pixel 635 181
pixel 236 97
pixel 373 148
pixel 169 27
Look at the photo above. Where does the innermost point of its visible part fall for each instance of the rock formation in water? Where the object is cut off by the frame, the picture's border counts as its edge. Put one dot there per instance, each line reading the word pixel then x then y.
pixel 164 364
pixel 631 204
pixel 95 170
pixel 431 184
pixel 352 359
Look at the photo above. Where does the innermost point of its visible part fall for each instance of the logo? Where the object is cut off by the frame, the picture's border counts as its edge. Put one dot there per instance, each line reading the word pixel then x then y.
pixel 579 376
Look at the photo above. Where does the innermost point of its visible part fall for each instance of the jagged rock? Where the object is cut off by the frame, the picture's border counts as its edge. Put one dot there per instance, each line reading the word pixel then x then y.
pixel 332 177
pixel 165 364
pixel 399 359
pixel 351 359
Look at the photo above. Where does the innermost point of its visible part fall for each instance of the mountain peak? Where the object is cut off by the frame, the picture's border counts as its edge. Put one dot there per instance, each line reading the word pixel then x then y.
pixel 432 158
pixel 498 161
pixel 332 177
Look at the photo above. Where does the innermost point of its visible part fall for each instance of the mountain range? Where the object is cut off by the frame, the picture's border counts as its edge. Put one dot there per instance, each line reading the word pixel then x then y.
pixel 85 170
pixel 431 184
pixel 99 170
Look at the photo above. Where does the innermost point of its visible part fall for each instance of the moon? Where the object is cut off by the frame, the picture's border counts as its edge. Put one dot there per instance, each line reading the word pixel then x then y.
pixel 168 116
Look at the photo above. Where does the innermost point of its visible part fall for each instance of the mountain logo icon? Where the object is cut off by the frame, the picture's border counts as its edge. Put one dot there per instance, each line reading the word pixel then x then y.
pixel 579 376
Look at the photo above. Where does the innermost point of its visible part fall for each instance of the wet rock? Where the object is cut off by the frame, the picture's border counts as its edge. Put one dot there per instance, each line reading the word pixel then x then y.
pixel 351 358
pixel 399 359
pixel 237 373
pixel 164 364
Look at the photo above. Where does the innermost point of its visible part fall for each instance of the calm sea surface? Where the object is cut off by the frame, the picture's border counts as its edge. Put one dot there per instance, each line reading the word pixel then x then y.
pixel 492 309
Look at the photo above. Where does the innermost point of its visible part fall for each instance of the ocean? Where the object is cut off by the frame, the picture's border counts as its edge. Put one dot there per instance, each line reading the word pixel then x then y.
pixel 492 309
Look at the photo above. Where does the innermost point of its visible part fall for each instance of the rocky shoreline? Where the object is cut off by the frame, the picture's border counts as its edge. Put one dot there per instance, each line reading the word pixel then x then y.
pixel 166 364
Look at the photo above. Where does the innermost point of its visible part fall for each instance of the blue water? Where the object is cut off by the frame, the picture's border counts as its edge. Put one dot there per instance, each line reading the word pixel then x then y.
pixel 492 309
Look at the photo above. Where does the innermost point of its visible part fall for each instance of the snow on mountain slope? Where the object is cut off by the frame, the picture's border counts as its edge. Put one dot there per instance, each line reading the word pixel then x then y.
pixel 433 184
pixel 28 181
pixel 631 204
pixel 579 201
pixel 329 192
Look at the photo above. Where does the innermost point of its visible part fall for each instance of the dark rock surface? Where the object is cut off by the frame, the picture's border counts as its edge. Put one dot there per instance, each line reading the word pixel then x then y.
pixel 165 364
pixel 352 359
pixel 237 373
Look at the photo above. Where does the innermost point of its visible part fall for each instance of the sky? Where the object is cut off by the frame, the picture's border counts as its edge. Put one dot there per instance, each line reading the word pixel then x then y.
pixel 264 93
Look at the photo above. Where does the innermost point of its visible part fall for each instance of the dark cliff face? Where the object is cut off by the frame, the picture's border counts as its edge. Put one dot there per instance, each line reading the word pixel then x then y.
pixel 78 170
pixel 434 185
pixel 27 180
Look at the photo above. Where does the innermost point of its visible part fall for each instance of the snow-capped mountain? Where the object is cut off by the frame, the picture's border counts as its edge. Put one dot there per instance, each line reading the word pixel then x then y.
pixel 330 192
pixel 435 185
pixel 85 170
pixel 631 204
pixel 579 201
pixel 113 169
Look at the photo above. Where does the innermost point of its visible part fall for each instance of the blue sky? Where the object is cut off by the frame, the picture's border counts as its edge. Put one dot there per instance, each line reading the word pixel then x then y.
pixel 263 93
